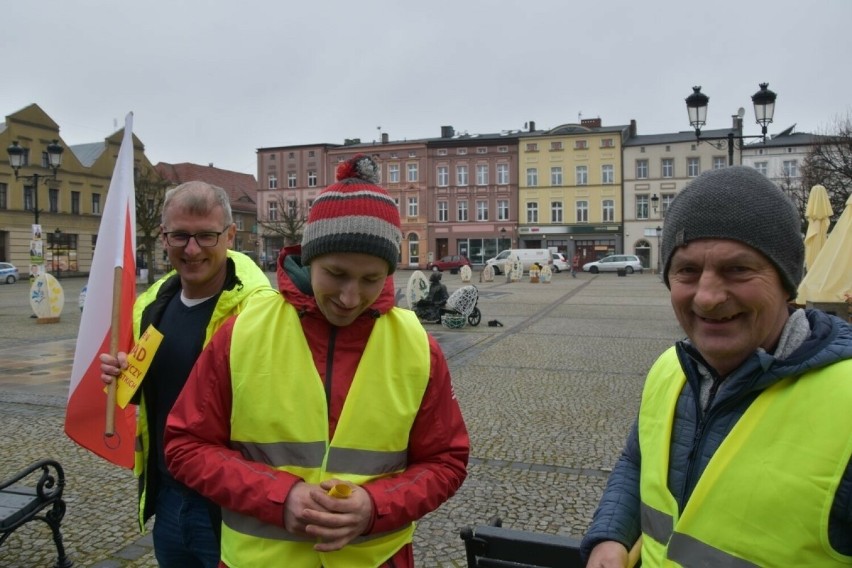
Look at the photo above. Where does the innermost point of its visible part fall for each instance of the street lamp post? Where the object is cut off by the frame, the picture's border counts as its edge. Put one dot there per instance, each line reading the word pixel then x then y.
pixel 659 252
pixel 17 156
pixel 57 247
pixel 764 109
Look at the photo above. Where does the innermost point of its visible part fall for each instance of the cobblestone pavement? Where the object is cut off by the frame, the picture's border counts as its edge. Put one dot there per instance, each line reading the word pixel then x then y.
pixel 548 399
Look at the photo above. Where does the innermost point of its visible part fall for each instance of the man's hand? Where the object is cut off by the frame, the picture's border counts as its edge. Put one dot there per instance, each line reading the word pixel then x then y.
pixel 608 554
pixel 309 510
pixel 111 366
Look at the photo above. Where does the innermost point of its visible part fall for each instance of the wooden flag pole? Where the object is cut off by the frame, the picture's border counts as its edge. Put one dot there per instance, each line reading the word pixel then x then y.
pixel 634 554
pixel 109 431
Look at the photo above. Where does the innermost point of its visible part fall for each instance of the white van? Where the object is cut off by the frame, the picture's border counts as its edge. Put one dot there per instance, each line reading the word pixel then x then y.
pixel 526 256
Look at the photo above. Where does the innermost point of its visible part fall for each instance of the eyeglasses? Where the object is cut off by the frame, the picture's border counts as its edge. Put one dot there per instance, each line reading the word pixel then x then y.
pixel 205 239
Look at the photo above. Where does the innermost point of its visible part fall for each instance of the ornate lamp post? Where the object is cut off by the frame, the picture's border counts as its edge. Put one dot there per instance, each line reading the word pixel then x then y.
pixel 764 109
pixel 17 158
pixel 57 247
pixel 659 252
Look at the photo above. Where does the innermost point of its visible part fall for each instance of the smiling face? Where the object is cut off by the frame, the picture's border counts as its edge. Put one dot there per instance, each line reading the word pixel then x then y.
pixel 202 270
pixel 728 299
pixel 346 284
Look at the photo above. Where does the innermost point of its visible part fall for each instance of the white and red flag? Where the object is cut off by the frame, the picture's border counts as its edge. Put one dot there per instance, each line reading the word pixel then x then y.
pixel 106 323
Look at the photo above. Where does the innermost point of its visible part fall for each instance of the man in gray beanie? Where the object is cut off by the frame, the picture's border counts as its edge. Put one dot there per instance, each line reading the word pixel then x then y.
pixel 741 454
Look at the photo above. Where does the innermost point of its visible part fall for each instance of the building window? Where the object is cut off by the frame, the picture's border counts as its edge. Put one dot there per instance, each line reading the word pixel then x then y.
pixel 581 144
pixel 502 209
pixel 291 208
pixel 556 145
pixel 481 150
pixel 667 167
pixel 607 143
pixel 28 198
pixel 608 210
pixel 272 211
pixel 482 174
pixel 412 207
pixel 461 151
pixel 443 176
pixel 238 219
pixel 582 175
pixel 641 206
pixel 393 173
pixel 502 174
pixel 96 203
pixel 532 147
pixel 443 212
pixel 53 199
pixel 442 151
pixel 291 155
pixel 412 154
pixel 312 178
pixel 461 175
pixel 4 196
pixel 532 212
pixel 555 211
pixel 481 210
pixel 761 167
pixel 790 168
pixel 641 169
pixel 461 211
pixel 693 167
pixel 503 149
pixel 719 162
pixel 607 174
pixel 412 173
pixel 532 177
pixel 310 153
pixel 272 181
pixel 582 211
pixel 291 179
pixel 556 175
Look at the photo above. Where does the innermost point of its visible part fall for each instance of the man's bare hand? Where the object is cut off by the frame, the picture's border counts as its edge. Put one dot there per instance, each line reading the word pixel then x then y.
pixel 608 554
pixel 111 366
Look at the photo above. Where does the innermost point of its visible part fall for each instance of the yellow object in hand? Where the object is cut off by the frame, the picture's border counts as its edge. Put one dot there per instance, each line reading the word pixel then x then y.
pixel 340 491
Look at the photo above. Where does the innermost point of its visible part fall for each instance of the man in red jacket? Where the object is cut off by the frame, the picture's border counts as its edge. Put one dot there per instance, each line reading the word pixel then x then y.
pixel 326 385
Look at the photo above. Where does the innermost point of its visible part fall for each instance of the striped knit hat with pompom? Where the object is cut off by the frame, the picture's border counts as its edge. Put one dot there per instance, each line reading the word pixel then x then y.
pixel 354 215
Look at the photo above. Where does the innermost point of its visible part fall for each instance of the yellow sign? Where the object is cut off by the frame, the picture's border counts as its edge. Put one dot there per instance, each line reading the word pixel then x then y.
pixel 138 362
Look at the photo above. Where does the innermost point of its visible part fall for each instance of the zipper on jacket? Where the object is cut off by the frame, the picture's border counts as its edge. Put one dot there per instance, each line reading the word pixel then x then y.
pixel 329 369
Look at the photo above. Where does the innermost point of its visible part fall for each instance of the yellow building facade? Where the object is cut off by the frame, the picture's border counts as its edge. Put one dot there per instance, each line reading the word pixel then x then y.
pixel 570 189
pixel 72 202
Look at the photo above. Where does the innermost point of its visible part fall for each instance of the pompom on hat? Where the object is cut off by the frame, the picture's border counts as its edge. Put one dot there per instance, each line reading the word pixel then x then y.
pixel 740 204
pixel 354 215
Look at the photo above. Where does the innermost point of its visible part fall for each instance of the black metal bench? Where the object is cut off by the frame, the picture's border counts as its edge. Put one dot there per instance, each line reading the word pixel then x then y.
pixel 492 546
pixel 24 498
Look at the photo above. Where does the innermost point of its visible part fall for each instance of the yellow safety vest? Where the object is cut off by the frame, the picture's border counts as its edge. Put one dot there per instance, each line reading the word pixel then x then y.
pixel 766 494
pixel 280 417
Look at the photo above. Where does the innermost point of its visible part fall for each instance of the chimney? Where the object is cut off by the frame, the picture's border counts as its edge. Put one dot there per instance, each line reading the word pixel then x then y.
pixel 210 164
pixel 591 122
pixel 532 126
pixel 447 132
pixel 385 138
pixel 632 127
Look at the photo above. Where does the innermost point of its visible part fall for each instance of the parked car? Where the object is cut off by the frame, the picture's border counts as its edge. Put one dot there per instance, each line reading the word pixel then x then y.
pixel 560 263
pixel 526 256
pixel 629 262
pixel 8 273
pixel 451 262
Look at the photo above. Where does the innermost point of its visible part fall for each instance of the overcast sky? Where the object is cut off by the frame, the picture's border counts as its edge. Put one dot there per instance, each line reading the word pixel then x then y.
pixel 213 80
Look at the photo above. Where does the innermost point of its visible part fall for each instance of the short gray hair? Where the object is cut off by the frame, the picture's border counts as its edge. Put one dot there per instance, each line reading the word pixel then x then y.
pixel 199 198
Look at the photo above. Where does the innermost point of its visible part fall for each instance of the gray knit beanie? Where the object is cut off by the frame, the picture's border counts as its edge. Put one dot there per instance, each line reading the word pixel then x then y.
pixel 354 215
pixel 741 204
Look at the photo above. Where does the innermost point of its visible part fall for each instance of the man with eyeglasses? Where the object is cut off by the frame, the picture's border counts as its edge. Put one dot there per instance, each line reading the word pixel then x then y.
pixel 208 285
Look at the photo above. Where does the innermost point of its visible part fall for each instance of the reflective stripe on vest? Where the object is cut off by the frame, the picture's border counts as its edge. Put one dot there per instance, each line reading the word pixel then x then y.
pixel 766 494
pixel 279 418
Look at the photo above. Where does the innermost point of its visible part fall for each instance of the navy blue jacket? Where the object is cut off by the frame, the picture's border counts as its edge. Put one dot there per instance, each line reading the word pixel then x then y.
pixel 694 443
